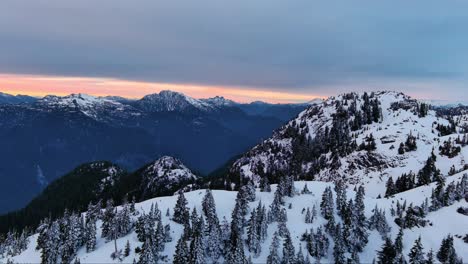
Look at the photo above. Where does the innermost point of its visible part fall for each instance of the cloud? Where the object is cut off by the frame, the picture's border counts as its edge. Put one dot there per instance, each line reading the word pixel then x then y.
pixel 298 45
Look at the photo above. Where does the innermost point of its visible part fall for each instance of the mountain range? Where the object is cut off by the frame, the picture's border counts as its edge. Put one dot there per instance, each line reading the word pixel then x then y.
pixel 42 139
pixel 399 161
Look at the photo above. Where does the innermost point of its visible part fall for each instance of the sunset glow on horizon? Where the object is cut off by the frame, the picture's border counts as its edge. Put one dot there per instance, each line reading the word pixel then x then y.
pixel 39 85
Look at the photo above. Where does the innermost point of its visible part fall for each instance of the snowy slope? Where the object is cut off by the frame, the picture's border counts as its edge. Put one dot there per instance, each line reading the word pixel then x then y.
pixel 444 221
pixel 399 118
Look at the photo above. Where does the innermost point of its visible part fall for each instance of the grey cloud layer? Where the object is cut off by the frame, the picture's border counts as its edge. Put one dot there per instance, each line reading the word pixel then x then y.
pixel 292 45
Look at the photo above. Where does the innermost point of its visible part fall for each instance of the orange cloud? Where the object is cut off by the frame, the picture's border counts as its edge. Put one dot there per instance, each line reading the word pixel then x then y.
pixel 38 85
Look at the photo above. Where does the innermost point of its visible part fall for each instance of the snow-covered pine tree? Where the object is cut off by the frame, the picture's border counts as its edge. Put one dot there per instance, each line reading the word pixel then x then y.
pixel 273 257
pixel 398 245
pixel 148 253
pixel 306 190
pixel 326 206
pixel 249 190
pixel 265 184
pixel 300 256
pixel 253 238
pixel 289 253
pixel 262 222
pixel 339 247
pixel 181 212
pixel 359 221
pixel 197 251
pixel 416 255
pixel 308 216
pixel 90 234
pixel 107 219
pixel 387 254
pixel 182 253
pixel 447 253
pixel 275 207
pixel 127 249
pixel 391 189
pixel 235 252
pixel 341 199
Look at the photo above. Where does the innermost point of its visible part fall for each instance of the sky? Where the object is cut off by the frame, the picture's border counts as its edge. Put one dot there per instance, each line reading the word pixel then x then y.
pixel 271 50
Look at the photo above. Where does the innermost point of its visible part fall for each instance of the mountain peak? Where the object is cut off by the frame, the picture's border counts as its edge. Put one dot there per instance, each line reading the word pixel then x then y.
pixel 167 172
pixel 219 101
pixel 330 140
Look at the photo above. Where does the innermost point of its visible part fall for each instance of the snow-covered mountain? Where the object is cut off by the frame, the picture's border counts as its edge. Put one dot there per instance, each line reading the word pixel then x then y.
pixel 165 173
pixel 386 181
pixel 356 137
pixel 98 108
pixel 293 233
pixel 60 132
pixel 170 101
pixel 15 99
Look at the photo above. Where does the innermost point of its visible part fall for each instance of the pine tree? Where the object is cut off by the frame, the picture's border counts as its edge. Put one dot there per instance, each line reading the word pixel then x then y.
pixel 288 250
pixel 90 235
pixel 340 190
pixel 127 249
pixel 359 222
pixel 306 190
pixel 387 254
pixel 308 217
pixel 265 185
pixel 182 254
pixel 273 257
pixel 148 253
pixel 108 219
pixel 339 248
pixel 235 253
pixel 430 257
pixel 398 245
pixel 447 253
pixel 253 238
pixel 326 206
pixel 181 212
pixel 391 189
pixel 300 256
pixel 197 253
pixel 275 207
pixel 416 255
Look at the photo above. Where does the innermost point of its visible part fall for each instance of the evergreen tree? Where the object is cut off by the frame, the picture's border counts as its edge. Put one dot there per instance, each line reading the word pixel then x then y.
pixel 265 185
pixel 108 219
pixel 273 257
pixel 127 249
pixel 306 190
pixel 288 250
pixel 148 253
pixel 197 252
pixel 399 242
pixel 387 254
pixel 416 255
pixel 340 190
pixel 339 248
pixel 182 254
pixel 447 253
pixel 326 206
pixel 181 212
pixel 275 207
pixel 253 238
pixel 391 189
pixel 90 234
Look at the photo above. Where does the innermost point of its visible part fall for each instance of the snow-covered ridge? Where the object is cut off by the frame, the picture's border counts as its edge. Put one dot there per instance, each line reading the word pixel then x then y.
pixel 292 147
pixel 442 222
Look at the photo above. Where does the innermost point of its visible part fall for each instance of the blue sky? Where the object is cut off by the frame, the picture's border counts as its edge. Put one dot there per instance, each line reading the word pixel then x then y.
pixel 298 46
